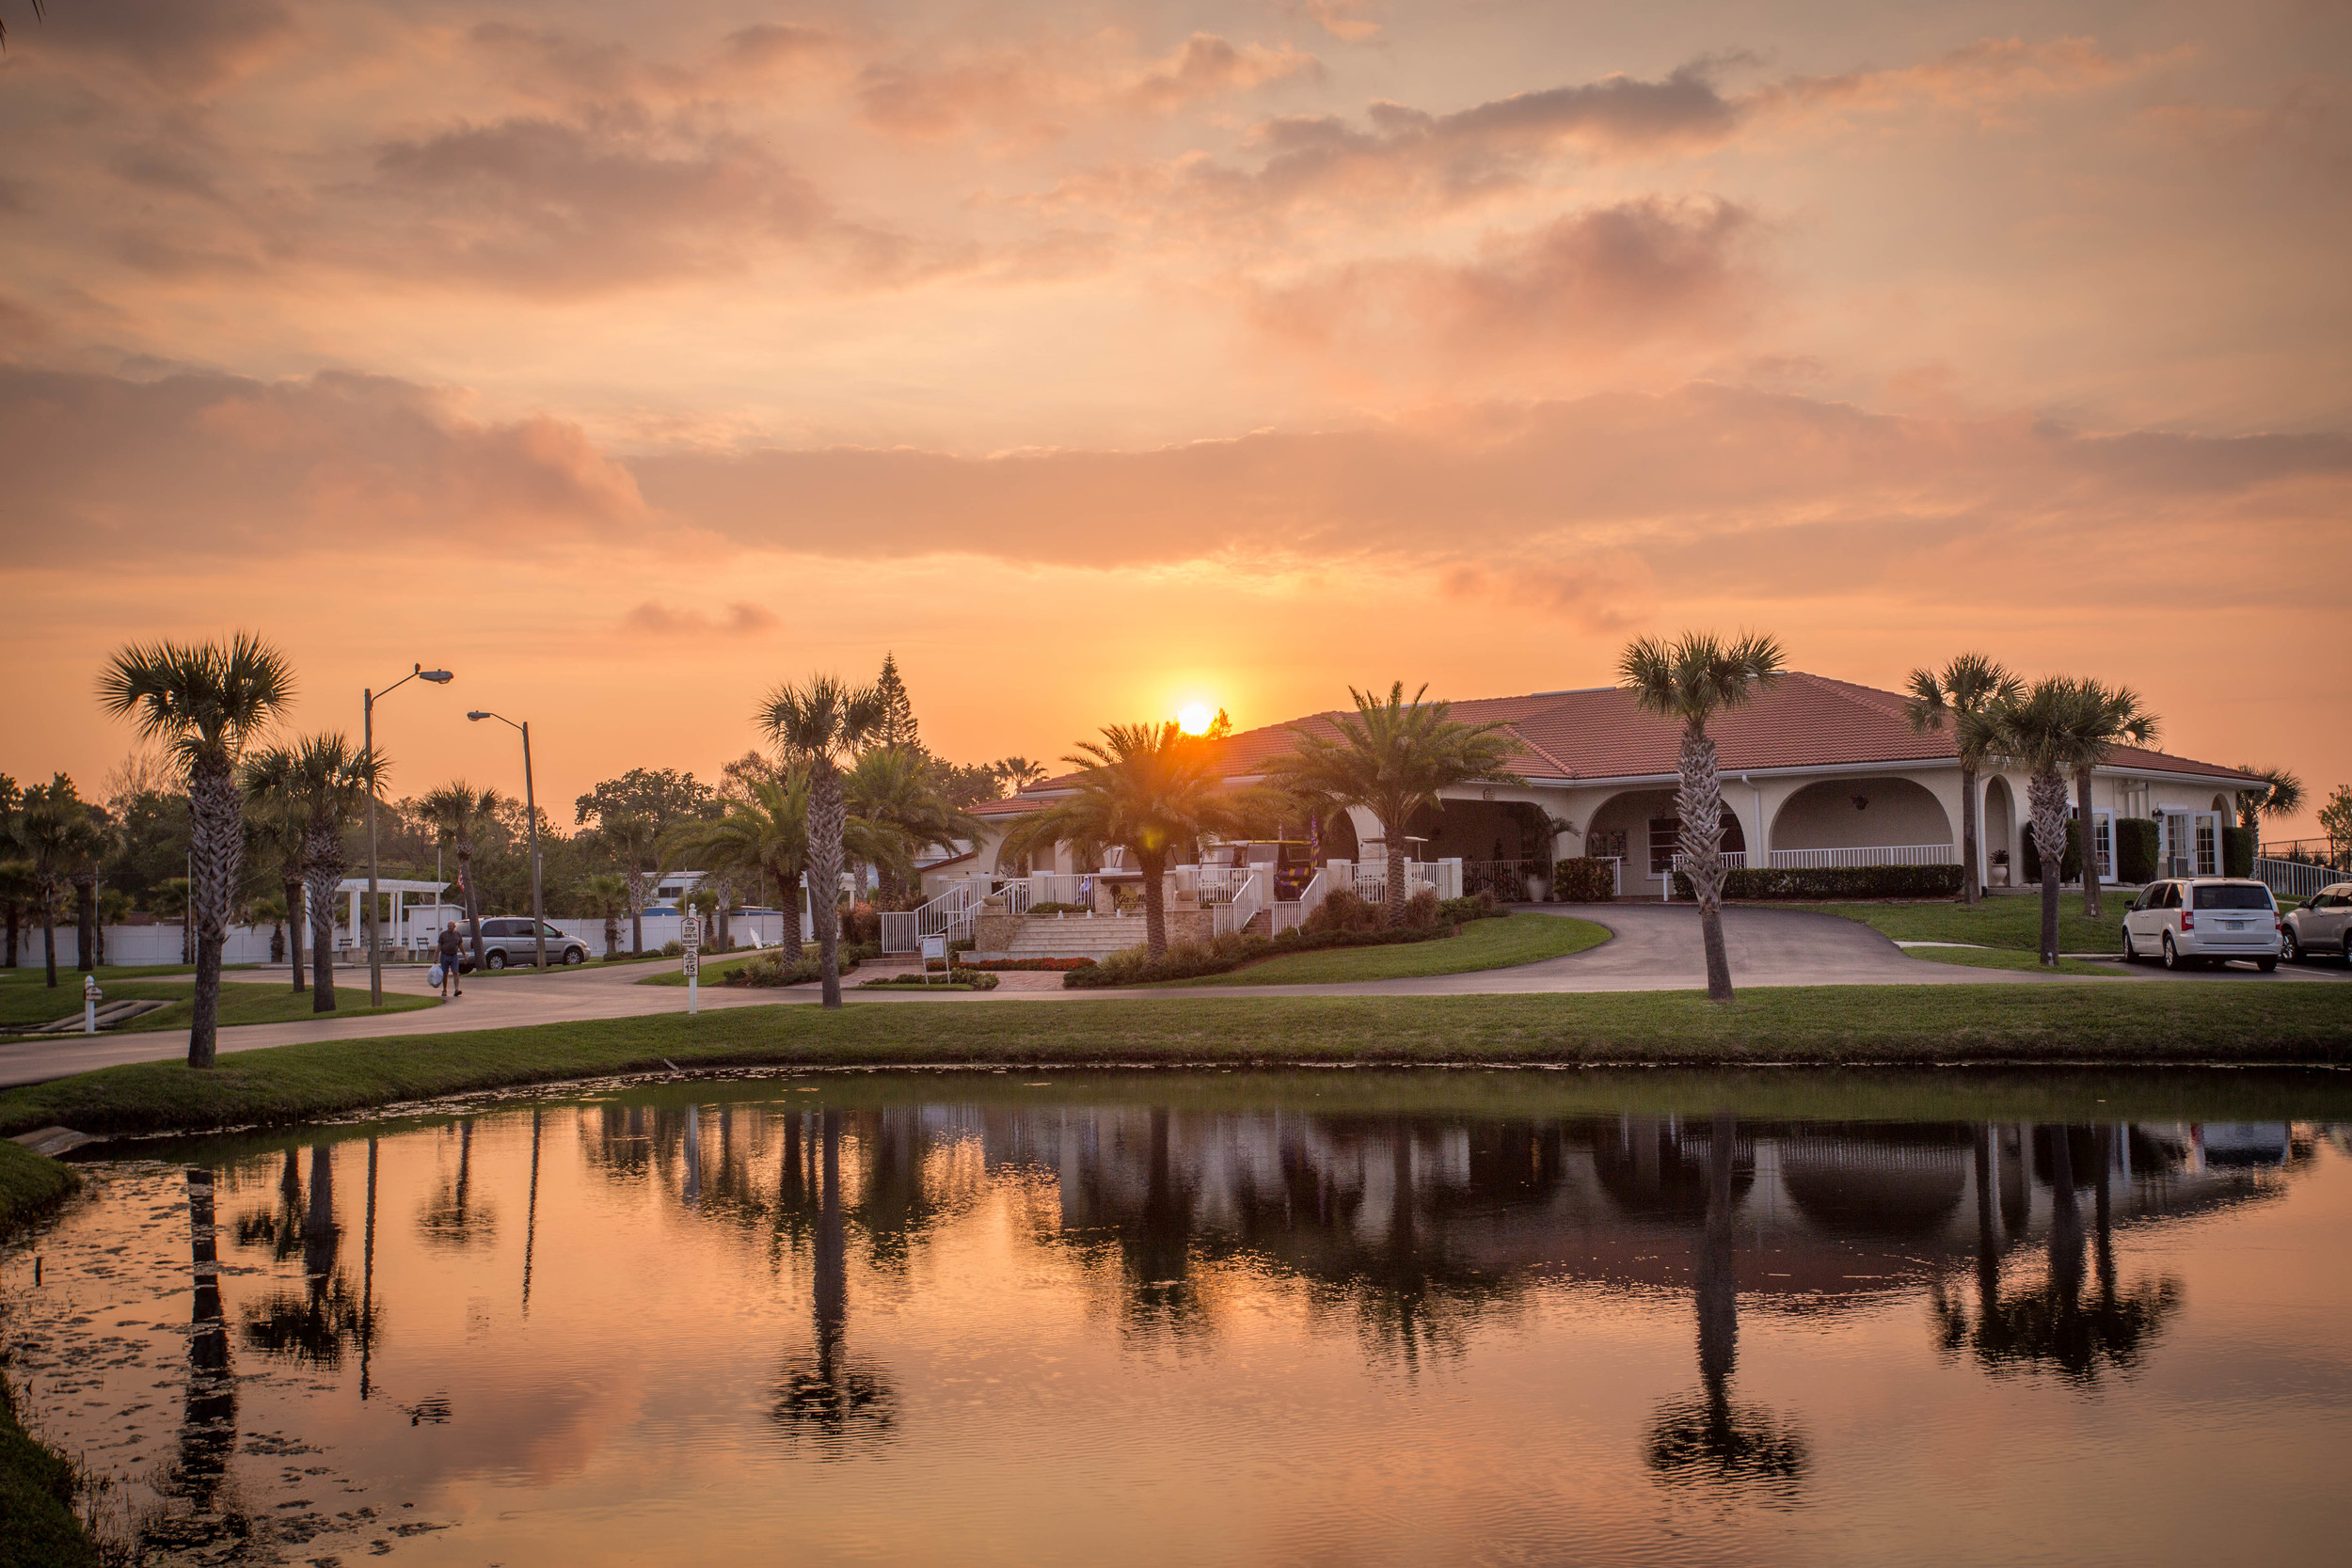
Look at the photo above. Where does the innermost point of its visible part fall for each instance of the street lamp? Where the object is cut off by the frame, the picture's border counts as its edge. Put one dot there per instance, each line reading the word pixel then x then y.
pixel 367 741
pixel 530 814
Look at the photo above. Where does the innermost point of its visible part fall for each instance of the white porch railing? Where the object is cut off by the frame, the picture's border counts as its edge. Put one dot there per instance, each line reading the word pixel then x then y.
pixel 1235 914
pixel 1291 913
pixel 948 915
pixel 2294 878
pixel 1881 854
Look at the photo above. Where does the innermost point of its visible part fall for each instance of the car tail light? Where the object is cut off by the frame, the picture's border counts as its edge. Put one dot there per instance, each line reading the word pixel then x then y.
pixel 2189 921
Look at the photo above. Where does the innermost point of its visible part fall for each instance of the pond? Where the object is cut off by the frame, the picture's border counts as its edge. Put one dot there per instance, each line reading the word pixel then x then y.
pixel 1345 1316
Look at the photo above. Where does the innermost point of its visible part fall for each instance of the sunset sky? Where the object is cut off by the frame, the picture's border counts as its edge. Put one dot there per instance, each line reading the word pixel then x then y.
pixel 1100 359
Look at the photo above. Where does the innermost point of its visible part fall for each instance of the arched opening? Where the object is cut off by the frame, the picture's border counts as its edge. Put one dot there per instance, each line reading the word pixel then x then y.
pixel 1854 814
pixel 1641 828
pixel 2000 829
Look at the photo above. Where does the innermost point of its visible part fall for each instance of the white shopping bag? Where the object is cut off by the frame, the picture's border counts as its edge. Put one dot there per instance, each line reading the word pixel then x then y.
pixel 433 976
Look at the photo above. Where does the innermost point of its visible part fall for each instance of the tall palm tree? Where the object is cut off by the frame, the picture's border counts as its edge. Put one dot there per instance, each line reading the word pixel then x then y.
pixel 1391 757
pixel 820 726
pixel 2111 716
pixel 896 787
pixel 2281 796
pixel 1689 680
pixel 607 893
pixel 1969 684
pixel 98 840
pixel 280 824
pixel 326 781
pixel 207 702
pixel 463 816
pixel 634 839
pixel 54 828
pixel 2044 732
pixel 766 836
pixel 18 893
pixel 1149 789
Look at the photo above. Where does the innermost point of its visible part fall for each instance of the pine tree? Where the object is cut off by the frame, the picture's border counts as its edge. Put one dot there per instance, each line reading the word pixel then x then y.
pixel 898 727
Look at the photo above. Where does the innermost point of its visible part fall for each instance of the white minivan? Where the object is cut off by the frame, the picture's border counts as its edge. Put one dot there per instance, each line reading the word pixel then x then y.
pixel 2199 920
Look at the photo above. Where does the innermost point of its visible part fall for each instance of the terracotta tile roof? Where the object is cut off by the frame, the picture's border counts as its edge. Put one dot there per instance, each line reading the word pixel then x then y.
pixel 1802 721
pixel 1011 806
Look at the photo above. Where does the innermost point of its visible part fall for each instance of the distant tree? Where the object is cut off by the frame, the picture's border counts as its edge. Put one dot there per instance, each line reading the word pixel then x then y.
pixel 2335 820
pixel 964 785
pixel 281 821
pixel 663 797
pixel 96 846
pixel 1391 757
pixel 1017 772
pixel 898 727
pixel 2109 716
pixel 53 828
pixel 465 815
pixel 1969 684
pixel 607 894
pixel 1690 680
pixel 820 726
pixel 206 702
pixel 326 781
pixel 270 910
pixel 895 788
pixel 19 894
pixel 2281 796
pixel 632 839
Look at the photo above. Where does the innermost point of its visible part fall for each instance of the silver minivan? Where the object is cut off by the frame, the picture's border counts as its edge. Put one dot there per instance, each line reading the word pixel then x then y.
pixel 506 942
pixel 2323 924
pixel 2198 920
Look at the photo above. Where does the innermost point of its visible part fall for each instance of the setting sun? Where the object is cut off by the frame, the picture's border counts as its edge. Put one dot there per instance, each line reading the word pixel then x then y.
pixel 1195 718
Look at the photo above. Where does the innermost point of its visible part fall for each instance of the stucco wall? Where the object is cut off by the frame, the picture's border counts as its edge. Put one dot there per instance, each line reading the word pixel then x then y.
pixel 1825 816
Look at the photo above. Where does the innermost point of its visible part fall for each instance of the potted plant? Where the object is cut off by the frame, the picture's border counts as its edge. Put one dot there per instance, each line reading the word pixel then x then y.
pixel 2000 869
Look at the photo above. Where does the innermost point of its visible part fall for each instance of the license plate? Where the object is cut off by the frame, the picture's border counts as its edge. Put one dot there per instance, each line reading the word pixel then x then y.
pixel 2235 925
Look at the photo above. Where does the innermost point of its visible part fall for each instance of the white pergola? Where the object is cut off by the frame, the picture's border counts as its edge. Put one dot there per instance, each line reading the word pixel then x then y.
pixel 355 890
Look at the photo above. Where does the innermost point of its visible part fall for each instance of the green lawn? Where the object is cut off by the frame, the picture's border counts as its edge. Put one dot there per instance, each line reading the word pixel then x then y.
pixel 2086 1023
pixel 1523 938
pixel 2001 921
pixel 2007 958
pixel 69 976
pixel 670 974
pixel 36 1492
pixel 241 1002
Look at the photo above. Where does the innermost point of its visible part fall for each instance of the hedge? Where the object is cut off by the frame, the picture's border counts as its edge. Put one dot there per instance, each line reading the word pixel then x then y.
pixel 2135 842
pixel 1583 880
pixel 2237 852
pixel 1836 881
pixel 1190 960
pixel 2070 869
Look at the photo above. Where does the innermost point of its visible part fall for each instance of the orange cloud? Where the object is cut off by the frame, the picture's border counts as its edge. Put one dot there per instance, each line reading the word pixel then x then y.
pixel 740 618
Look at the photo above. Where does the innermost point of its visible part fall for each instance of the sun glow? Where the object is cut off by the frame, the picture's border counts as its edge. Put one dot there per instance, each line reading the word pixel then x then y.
pixel 1195 718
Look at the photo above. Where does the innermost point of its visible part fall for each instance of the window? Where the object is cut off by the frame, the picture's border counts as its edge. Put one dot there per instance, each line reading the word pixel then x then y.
pixel 1605 845
pixel 2237 895
pixel 2208 863
pixel 1664 834
pixel 2103 836
pixel 2171 896
pixel 552 931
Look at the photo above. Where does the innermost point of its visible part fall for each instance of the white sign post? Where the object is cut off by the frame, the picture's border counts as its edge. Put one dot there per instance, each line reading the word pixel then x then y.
pixel 690 936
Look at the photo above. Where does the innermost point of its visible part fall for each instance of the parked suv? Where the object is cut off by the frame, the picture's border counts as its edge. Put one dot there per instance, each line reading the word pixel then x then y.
pixel 2200 920
pixel 512 941
pixel 2323 924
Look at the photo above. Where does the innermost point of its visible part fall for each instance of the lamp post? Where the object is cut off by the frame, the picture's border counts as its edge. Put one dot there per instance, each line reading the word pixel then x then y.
pixel 366 742
pixel 531 816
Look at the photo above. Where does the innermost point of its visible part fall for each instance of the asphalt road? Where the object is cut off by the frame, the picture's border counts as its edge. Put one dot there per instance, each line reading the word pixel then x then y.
pixel 1655 947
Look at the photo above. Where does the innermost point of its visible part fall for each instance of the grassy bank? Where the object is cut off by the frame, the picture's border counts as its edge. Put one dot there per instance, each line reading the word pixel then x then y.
pixel 1998 921
pixel 1479 945
pixel 240 1003
pixel 31 1185
pixel 38 1527
pixel 2111 1024
pixel 2008 958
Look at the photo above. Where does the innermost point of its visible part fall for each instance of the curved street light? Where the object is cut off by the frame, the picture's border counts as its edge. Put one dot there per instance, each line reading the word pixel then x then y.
pixel 367 727
pixel 531 816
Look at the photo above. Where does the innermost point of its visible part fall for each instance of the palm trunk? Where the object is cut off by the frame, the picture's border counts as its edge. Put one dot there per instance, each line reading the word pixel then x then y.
pixel 1971 883
pixel 217 850
pixel 16 915
pixel 636 911
pixel 1699 803
pixel 1155 904
pixel 49 935
pixel 2046 796
pixel 85 923
pixel 473 898
pixel 1393 832
pixel 319 882
pixel 791 900
pixel 2090 847
pixel 295 907
pixel 611 938
pixel 826 818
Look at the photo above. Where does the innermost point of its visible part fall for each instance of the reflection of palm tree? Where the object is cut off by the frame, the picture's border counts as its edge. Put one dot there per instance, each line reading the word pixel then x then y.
pixel 197 1481
pixel 531 1214
pixel 367 1280
pixel 828 1396
pixel 452 1217
pixel 1709 1439
pixel 2051 1325
pixel 315 1324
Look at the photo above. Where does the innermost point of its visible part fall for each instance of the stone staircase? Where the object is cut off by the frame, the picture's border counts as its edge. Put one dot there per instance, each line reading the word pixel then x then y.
pixel 1078 936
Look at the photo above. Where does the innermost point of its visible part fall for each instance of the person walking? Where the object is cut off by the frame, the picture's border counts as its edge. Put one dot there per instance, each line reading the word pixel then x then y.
pixel 452 945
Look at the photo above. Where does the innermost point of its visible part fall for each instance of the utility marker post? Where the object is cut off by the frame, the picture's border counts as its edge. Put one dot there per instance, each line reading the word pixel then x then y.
pixel 91 996
pixel 690 936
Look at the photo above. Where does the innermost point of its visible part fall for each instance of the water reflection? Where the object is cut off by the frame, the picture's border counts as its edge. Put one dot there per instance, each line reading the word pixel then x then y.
pixel 839 1402
pixel 200 1498
pixel 456 1217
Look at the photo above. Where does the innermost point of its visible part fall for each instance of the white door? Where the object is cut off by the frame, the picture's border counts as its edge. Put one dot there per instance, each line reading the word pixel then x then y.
pixel 2179 845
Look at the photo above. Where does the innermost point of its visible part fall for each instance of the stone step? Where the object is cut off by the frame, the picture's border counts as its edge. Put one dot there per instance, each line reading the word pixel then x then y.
pixel 1079 938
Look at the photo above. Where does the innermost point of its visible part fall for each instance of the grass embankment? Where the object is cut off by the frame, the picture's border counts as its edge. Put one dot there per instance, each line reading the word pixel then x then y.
pixel 242 1002
pixel 30 1185
pixel 36 1522
pixel 2115 1025
pixel 1999 919
pixel 1479 945
pixel 2010 958
pixel 69 976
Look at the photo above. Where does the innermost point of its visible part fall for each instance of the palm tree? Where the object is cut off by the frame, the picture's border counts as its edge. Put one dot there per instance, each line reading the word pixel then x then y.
pixel 98 840
pixel 327 782
pixel 2111 717
pixel 2282 795
pixel 2046 732
pixel 1391 757
pixel 895 788
pixel 607 894
pixel 766 835
pixel 1969 684
pixel 820 726
pixel 1690 680
pixel 207 701
pixel 54 830
pixel 18 892
pixel 280 823
pixel 1017 771
pixel 635 840
pixel 464 814
pixel 1147 788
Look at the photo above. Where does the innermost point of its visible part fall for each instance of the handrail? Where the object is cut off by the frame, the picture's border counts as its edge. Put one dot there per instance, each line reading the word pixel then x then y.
pixel 1291 913
pixel 1237 913
pixel 2294 878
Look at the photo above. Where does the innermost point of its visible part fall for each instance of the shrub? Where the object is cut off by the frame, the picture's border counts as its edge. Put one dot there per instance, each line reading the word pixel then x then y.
pixel 673 949
pixel 1343 909
pixel 1840 881
pixel 2069 869
pixel 772 971
pixel 1044 965
pixel 1480 905
pixel 1422 907
pixel 861 922
pixel 2237 851
pixel 2135 841
pixel 1225 954
pixel 962 976
pixel 1583 880
pixel 1049 906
